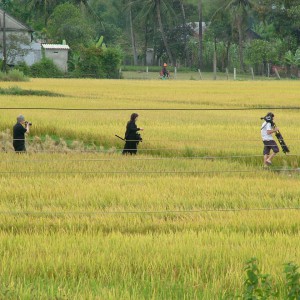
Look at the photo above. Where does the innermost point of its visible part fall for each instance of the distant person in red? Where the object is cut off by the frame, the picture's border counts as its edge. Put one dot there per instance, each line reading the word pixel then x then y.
pixel 132 137
pixel 164 72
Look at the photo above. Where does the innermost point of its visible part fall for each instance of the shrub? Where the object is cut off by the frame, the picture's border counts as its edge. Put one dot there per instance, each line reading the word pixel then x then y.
pixel 258 53
pixel 45 68
pixel 261 286
pixel 292 276
pixel 257 285
pixel 110 62
pixel 97 62
pixel 89 64
pixel 22 66
pixel 15 90
pixel 13 75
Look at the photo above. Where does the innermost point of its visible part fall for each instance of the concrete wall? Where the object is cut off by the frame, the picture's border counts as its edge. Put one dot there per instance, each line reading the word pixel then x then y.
pixel 23 49
pixel 34 54
pixel 59 57
pixel 150 57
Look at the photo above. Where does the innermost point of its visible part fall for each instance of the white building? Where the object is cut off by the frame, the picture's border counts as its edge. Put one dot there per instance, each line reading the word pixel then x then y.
pixel 13 26
pixel 59 55
pixel 21 47
pixel 19 43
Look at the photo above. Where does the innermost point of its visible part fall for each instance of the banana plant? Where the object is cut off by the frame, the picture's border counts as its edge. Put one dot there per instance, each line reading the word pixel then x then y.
pixel 291 59
pixel 100 43
pixel 293 62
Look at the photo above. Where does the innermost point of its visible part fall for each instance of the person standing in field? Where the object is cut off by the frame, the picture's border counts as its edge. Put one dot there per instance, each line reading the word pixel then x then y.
pixel 19 130
pixel 269 143
pixel 132 138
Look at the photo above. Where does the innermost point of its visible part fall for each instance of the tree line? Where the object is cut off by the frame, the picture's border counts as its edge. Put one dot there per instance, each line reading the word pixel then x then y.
pixel 238 33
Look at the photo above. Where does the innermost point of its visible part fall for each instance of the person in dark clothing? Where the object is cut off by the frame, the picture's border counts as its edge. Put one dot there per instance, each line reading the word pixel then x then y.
pixel 19 134
pixel 132 138
pixel 164 72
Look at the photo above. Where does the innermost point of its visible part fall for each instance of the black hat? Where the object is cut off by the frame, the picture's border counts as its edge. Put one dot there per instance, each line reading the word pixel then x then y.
pixel 269 117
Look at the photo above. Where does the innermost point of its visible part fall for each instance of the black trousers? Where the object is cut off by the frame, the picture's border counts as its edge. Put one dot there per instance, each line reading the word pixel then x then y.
pixel 130 148
pixel 19 147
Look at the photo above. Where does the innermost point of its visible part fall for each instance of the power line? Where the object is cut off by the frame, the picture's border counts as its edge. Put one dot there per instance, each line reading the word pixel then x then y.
pixel 149 212
pixel 114 150
pixel 130 158
pixel 133 172
pixel 152 109
pixel 31 140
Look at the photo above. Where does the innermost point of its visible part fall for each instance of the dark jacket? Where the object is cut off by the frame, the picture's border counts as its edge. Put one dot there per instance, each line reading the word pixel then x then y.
pixel 165 72
pixel 19 137
pixel 131 131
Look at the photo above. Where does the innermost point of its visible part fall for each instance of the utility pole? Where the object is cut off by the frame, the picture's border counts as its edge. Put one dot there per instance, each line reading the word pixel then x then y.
pixel 4 38
pixel 200 52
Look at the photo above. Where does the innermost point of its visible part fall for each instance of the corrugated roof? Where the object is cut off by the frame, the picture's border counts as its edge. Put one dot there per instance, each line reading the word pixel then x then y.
pixel 55 46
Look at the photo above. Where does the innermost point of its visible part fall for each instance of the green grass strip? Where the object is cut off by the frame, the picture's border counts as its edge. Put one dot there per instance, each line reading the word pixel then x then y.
pixel 15 90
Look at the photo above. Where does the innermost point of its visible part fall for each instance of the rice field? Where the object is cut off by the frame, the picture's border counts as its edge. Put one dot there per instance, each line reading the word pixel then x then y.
pixel 80 221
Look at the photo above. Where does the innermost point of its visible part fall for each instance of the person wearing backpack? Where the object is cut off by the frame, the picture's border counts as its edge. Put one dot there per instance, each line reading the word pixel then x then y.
pixel 267 129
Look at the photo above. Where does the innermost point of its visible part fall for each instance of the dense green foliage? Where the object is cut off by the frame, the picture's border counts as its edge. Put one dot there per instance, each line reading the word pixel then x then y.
pixel 15 90
pixel 45 69
pixel 97 62
pixel 261 286
pixel 67 22
pixel 90 63
pixel 13 75
pixel 248 33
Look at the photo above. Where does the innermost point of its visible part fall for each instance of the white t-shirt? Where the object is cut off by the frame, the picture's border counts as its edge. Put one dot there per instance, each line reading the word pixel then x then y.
pixel 264 128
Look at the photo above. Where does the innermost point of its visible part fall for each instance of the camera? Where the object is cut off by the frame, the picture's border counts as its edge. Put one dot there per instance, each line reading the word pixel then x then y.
pixel 29 123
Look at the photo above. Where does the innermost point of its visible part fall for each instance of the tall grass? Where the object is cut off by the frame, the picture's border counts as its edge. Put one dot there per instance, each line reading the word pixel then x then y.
pixel 80 225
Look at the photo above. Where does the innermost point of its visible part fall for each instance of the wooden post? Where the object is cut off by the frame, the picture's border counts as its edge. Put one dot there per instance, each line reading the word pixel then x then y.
pixel 120 73
pixel 234 74
pixel 215 60
pixel 175 72
pixel 277 74
pixel 227 74
pixel 200 75
pixel 4 62
pixel 252 73
pixel 268 66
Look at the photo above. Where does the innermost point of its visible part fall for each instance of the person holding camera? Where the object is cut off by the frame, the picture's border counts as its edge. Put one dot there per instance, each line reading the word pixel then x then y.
pixel 132 138
pixel 267 129
pixel 19 131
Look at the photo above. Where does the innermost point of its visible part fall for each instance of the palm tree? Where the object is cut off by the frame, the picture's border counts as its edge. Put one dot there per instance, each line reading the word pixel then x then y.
pixel 135 58
pixel 42 8
pixel 128 8
pixel 184 25
pixel 239 10
pixel 156 8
